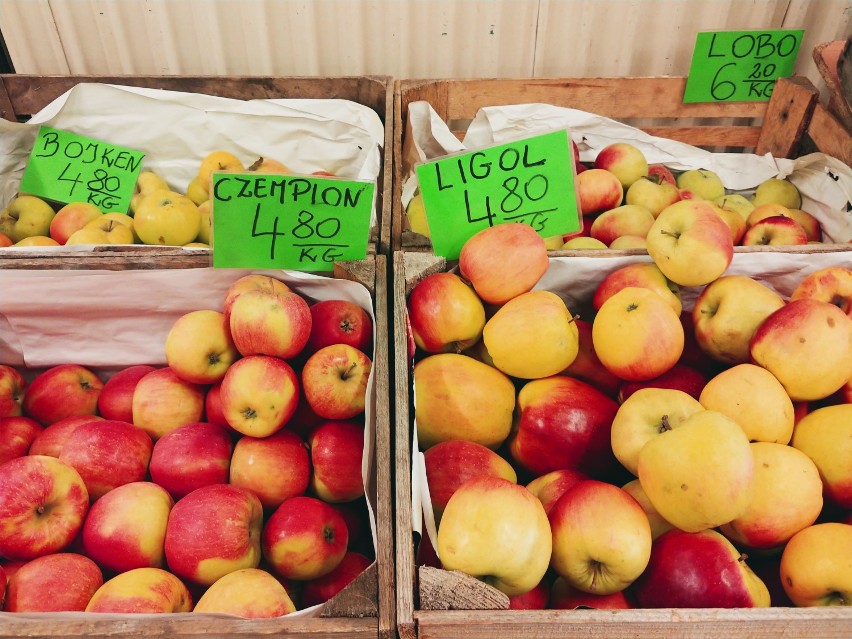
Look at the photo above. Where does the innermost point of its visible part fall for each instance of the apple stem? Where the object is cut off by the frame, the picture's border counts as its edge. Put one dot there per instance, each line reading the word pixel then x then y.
pixel 674 235
pixel 664 424
pixel 348 372
pixel 742 557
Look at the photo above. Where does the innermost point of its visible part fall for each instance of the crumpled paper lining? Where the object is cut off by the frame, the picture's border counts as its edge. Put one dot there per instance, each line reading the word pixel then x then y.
pixel 824 182
pixel 108 320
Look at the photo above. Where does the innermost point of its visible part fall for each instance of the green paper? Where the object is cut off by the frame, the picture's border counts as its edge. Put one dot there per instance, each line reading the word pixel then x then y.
pixel 529 180
pixel 66 167
pixel 296 222
pixel 740 66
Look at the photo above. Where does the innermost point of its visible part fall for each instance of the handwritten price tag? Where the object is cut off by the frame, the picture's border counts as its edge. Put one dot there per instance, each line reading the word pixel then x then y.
pixel 740 66
pixel 66 167
pixel 304 223
pixel 529 181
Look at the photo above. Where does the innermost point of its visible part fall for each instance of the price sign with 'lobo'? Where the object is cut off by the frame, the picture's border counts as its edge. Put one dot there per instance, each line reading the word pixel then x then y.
pixel 66 167
pixel 529 181
pixel 296 222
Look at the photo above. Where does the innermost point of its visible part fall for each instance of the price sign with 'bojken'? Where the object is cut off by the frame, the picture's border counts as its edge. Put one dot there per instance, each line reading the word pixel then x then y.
pixel 529 181
pixel 297 222
pixel 740 66
pixel 66 167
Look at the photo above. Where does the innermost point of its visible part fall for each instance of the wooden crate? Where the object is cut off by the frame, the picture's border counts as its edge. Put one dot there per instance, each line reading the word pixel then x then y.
pixel 23 95
pixel 365 608
pixel 434 603
pixel 775 127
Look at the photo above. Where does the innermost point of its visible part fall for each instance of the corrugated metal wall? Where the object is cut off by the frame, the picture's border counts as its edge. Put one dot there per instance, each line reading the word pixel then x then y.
pixel 400 38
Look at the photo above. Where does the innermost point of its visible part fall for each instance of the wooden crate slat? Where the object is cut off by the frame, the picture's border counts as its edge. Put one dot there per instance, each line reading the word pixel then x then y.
pixel 742 137
pixel 829 135
pixel 790 108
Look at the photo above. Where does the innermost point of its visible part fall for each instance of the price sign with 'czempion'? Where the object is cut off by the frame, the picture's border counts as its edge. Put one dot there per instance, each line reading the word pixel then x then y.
pixel 529 181
pixel 297 222
pixel 66 167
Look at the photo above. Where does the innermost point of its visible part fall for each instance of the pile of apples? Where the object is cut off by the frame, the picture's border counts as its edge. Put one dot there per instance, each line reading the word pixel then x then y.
pixel 229 480
pixel 158 214
pixel 643 455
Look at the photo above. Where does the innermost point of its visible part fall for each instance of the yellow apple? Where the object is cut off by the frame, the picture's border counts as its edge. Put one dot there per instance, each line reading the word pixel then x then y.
pixel 251 593
pixel 25 216
pixel 777 191
pixel 166 218
pixel 735 202
pixel 816 566
pixel 628 242
pixel 217 161
pixel 199 348
pixel 196 191
pixel 142 590
pixel 37 240
pixel 416 213
pixel 147 182
pixel 92 235
pixel 658 523
pixel 268 165
pixel 734 220
pixel 703 183
pixel 642 274
pixel 583 242
pixel 825 435
pixel 122 218
pixel 205 230
pixel 116 231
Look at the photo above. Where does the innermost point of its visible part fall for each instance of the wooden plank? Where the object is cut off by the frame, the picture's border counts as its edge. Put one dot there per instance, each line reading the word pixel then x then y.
pixel 7 110
pixel 455 590
pixel 110 258
pixel 741 137
pixel 828 56
pixel 790 108
pixel 829 135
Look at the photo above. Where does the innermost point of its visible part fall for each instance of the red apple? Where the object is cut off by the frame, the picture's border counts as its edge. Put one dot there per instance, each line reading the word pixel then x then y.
pixel 162 401
pixel 535 599
pixel 334 380
pixel 446 314
pixel 16 436
pixel 141 591
pixel 776 230
pixel 189 457
pixel 116 398
pixel 565 597
pixel 598 190
pixel 276 324
pixel 830 284
pixel 337 449
pixel 259 395
pixel 274 468
pixel 624 160
pixel 587 366
pixel 679 377
pixel 662 172
pixel 339 322
pixel 43 502
pixel 321 589
pixel 551 486
pixel 12 387
pixel 251 282
pixel 58 582
pixel 51 440
pixel 62 391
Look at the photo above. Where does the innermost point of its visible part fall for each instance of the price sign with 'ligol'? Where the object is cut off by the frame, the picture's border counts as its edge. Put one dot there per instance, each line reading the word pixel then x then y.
pixel 66 167
pixel 297 222
pixel 529 181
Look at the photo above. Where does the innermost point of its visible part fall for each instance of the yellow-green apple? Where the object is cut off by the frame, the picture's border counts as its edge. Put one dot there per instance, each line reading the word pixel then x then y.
pixel 451 463
pixel 71 218
pixel 735 222
pixel 627 219
pixel 196 190
pixel 816 565
pixel 107 454
pixel 587 366
pixel 126 528
pixel 43 502
pixel 59 582
pixel 16 436
pixel 704 183
pixel 251 282
pixel 777 191
pixel 658 524
pixel 554 242
pixel 497 531
pixel 62 391
pixel 116 231
pixel 628 242
pixel 321 589
pixel 690 243
pixel 698 570
pixel 148 181
pixel 598 190
pixel 415 213
pixel 583 243
pixel 36 240
pixel 503 261
pixel 446 315
pixel 652 192
pixel 588 558
pixel 787 497
pixel 26 216
pixel 259 395
pixel 755 399
pixel 680 377
pixel 51 440
pixel 809 222
pixel 661 172
pixel 339 322
pixel 563 423
pixel 700 474
pixel 304 538
pixel 565 597
pixel 623 160
pixel 830 284
pixel 726 314
pixel 191 456
pixel 334 381
pixel 644 416
pixel 637 335
pixel 736 203
pixel 116 398
pixel 535 599
pixel 807 345
pixel 551 486
pixel 532 336
pixel 642 274
pixel 825 435
pixel 142 591
pixel 165 217
pixel 775 231
pixel 263 323
pixel 250 593
pixel 205 229
pixel 212 531
pixel 337 449
pixel 199 348
pixel 458 397
pixel 162 401
pixel 274 468
pixel 764 211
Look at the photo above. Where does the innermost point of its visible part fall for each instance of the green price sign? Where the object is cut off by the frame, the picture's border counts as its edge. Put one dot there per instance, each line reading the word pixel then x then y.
pixel 529 181
pixel 296 222
pixel 66 167
pixel 740 66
